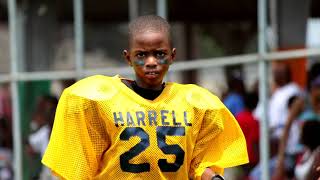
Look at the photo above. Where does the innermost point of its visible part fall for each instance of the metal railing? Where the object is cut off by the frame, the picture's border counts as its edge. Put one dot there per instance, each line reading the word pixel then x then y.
pixel 177 66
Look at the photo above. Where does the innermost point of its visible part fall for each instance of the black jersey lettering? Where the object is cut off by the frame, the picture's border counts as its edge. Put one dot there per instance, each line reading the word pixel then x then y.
pixel 118 120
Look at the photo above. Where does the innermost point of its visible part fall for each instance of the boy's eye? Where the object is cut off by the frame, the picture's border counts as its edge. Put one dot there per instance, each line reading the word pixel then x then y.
pixel 140 55
pixel 160 54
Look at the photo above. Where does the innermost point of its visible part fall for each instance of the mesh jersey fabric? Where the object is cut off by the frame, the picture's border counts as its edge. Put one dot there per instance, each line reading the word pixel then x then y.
pixel 104 130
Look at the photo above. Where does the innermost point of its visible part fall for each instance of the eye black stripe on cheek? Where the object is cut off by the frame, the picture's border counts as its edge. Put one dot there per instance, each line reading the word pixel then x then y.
pixel 163 61
pixel 139 62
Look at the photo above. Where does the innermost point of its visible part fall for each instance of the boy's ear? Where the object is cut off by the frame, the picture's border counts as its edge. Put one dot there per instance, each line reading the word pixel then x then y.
pixel 173 55
pixel 126 56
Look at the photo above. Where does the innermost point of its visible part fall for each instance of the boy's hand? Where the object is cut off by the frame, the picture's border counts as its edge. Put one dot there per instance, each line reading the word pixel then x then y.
pixel 208 174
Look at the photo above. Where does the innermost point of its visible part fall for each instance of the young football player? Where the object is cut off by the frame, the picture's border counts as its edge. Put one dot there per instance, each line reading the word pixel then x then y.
pixel 117 128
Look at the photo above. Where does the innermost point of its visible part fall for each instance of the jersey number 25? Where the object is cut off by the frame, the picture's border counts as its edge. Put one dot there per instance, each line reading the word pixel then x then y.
pixel 162 132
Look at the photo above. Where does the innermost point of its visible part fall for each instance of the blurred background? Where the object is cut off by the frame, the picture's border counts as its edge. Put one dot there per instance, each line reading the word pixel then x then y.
pixel 46 46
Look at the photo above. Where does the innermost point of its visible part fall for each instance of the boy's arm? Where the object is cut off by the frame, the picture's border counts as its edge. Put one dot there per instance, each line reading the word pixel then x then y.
pixel 78 139
pixel 220 143
pixel 208 174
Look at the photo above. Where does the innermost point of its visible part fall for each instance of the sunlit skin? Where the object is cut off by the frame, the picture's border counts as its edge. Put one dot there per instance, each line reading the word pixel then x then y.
pixel 150 54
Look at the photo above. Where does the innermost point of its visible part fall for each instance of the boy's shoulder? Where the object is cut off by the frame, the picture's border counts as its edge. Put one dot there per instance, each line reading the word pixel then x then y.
pixel 94 87
pixel 198 96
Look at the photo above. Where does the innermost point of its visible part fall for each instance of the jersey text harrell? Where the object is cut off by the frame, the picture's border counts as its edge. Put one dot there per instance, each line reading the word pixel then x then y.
pixel 140 118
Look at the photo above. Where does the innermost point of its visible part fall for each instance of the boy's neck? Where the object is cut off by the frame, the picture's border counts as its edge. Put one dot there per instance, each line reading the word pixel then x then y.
pixel 148 87
pixel 149 94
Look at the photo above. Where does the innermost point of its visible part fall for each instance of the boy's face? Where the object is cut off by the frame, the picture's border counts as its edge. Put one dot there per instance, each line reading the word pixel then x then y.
pixel 150 55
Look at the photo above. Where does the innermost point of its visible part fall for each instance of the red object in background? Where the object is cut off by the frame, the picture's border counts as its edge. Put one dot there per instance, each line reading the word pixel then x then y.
pixel 5 103
pixel 250 129
pixel 297 67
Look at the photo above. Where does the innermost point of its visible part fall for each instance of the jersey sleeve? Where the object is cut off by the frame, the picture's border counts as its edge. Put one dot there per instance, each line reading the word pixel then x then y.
pixel 78 139
pixel 220 142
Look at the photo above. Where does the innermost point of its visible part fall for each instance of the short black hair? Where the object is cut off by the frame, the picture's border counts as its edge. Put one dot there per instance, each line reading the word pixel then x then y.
pixel 149 23
pixel 313 73
pixel 310 134
pixel 251 100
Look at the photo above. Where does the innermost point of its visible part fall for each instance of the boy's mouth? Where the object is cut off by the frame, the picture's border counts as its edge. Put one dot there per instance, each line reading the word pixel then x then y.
pixel 151 74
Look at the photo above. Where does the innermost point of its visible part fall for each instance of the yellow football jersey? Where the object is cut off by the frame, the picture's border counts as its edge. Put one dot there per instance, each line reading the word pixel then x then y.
pixel 104 130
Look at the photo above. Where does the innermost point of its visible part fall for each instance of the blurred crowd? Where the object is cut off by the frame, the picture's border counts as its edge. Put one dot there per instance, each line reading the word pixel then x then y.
pixel 39 130
pixel 293 118
pixel 294 124
pixel 6 158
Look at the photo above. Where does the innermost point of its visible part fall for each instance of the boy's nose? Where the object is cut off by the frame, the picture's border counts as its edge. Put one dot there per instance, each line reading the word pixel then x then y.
pixel 151 61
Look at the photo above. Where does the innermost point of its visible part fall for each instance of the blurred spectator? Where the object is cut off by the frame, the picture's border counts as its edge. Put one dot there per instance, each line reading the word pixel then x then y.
pixel 5 134
pixel 284 106
pixel 311 158
pixel 42 112
pixel 250 128
pixel 59 85
pixel 313 108
pixel 5 116
pixel 289 140
pixel 234 97
pixel 313 73
pixel 317 165
pixel 278 107
pixel 284 89
pixel 6 172
pixel 42 125
pixel 5 150
pixel 5 102
pixel 296 118
pixel 256 172
pixel 306 167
